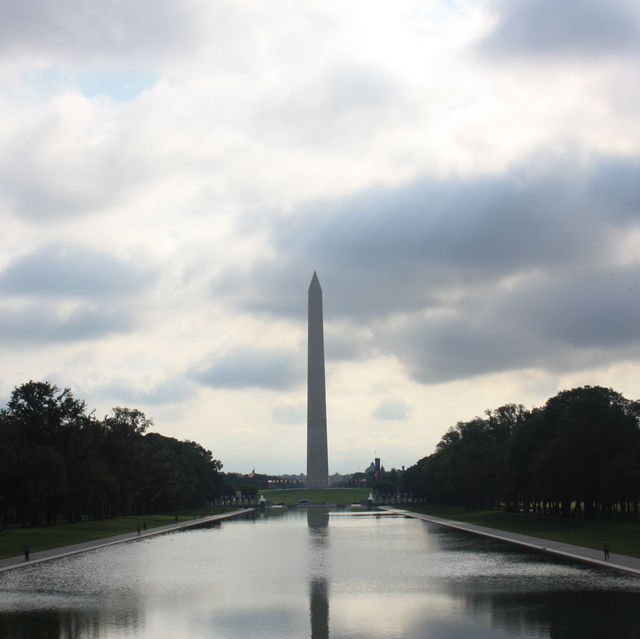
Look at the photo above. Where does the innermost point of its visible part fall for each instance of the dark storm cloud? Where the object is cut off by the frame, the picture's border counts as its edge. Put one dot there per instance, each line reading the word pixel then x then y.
pixel 391 251
pixel 243 368
pixel 40 324
pixel 590 308
pixel 560 322
pixel 458 278
pixel 614 189
pixel 71 272
pixel 459 347
pixel 90 32
pixel 585 27
pixel 341 345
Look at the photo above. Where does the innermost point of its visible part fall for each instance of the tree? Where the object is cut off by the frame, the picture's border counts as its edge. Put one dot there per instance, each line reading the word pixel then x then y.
pixel 248 490
pixel 39 421
pixel 227 489
pixel 42 412
pixel 385 487
pixel 581 450
pixel 586 428
pixel 58 462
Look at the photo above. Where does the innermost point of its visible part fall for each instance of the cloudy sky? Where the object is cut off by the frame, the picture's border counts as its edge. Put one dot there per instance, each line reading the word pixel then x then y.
pixel 464 176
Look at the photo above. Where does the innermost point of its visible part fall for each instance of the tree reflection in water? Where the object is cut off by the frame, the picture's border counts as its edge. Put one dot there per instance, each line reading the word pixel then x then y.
pixel 69 624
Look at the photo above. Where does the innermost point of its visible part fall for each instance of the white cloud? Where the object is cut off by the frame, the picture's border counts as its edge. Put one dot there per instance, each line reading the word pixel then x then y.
pixel 462 175
pixel 391 410
pixel 290 414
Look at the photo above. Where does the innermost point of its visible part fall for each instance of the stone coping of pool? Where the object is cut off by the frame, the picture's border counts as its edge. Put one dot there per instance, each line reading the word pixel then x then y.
pixel 11 563
pixel 580 553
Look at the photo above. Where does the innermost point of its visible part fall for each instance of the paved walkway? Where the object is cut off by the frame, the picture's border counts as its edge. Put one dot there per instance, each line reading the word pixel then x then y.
pixel 65 551
pixel 616 561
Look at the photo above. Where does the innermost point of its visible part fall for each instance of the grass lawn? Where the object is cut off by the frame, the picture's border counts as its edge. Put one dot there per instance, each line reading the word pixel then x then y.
pixel 623 536
pixel 12 540
pixel 290 496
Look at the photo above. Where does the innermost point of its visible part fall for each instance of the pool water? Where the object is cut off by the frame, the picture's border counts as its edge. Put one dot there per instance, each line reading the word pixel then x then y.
pixel 315 573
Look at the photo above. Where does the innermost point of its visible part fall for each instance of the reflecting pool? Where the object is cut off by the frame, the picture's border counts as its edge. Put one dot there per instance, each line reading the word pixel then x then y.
pixel 315 573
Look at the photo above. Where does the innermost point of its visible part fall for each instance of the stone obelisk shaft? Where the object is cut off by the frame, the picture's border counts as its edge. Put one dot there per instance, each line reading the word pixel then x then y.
pixel 317 460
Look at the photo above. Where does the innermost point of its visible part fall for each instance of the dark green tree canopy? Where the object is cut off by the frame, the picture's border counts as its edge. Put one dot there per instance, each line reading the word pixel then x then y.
pixel 580 450
pixel 58 462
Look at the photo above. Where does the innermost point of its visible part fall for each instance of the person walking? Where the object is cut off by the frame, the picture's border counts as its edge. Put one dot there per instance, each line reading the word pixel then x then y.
pixel 605 547
pixel 26 552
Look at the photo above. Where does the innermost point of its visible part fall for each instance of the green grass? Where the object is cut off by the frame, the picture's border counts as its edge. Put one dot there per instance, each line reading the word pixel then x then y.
pixel 12 540
pixel 623 536
pixel 329 496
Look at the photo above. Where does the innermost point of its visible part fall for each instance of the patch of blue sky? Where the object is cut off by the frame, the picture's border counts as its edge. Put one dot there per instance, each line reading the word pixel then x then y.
pixel 121 85
pixel 433 13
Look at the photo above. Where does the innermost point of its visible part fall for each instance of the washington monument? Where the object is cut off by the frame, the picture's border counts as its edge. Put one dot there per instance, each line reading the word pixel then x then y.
pixel 317 462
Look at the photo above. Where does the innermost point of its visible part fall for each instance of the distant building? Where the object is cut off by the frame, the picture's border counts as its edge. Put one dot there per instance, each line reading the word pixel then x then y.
pixel 375 469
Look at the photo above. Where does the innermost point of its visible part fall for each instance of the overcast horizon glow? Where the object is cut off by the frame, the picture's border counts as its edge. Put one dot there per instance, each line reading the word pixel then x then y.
pixel 463 175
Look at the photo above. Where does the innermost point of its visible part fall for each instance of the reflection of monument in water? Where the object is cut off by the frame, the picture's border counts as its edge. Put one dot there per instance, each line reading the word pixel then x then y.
pixel 319 609
pixel 318 522
pixel 317 461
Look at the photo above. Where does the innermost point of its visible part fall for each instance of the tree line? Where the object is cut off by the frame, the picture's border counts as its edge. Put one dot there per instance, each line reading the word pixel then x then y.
pixel 578 455
pixel 59 463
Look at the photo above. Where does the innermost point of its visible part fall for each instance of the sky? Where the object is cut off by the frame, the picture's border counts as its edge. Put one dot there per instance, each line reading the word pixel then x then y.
pixel 463 175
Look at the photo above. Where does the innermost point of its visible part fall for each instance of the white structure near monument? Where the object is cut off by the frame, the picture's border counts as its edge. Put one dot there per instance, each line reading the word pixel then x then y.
pixel 317 460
